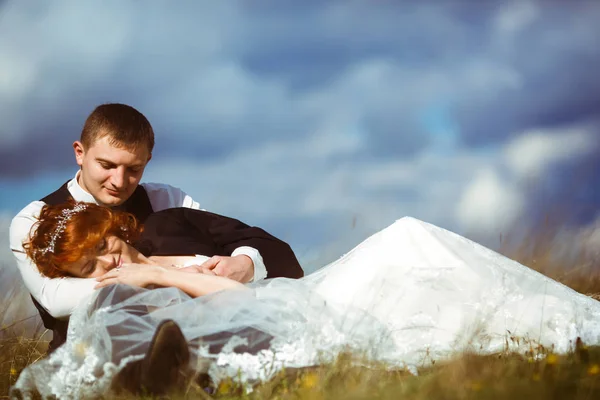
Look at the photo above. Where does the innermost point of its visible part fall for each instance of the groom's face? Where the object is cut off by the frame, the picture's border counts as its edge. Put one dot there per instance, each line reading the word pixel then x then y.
pixel 110 172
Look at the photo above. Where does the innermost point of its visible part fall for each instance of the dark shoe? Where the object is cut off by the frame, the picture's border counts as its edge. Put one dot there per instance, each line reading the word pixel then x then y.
pixel 164 368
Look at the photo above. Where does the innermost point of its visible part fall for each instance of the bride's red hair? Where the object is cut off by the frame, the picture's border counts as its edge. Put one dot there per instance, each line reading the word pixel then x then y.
pixel 82 232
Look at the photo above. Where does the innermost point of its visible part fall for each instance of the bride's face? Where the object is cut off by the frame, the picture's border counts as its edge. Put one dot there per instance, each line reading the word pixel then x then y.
pixel 111 252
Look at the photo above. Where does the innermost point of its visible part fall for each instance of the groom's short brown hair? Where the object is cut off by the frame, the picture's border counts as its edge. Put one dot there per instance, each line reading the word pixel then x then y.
pixel 126 127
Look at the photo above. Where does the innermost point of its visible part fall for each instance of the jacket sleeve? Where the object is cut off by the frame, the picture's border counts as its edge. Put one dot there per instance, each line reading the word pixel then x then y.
pixel 164 196
pixel 230 234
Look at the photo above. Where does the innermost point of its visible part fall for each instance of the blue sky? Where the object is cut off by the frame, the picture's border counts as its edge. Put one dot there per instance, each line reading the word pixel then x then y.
pixel 320 121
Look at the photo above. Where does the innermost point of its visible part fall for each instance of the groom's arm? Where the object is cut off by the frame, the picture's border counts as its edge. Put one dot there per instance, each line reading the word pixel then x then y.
pixel 165 196
pixel 231 235
pixel 59 296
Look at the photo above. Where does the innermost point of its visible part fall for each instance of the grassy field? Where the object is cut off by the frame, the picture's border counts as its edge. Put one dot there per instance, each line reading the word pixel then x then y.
pixel 538 374
pixel 468 376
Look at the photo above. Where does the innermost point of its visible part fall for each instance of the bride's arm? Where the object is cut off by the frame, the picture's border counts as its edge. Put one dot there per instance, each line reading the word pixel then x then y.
pixel 194 284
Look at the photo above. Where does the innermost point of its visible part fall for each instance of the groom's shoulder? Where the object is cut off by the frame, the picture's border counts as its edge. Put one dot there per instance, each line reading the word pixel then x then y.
pixel 164 196
pixel 159 187
pixel 29 213
pixel 31 210
pixel 21 223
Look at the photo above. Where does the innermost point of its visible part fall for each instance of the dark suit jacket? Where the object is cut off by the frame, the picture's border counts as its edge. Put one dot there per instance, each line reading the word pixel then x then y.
pixel 183 231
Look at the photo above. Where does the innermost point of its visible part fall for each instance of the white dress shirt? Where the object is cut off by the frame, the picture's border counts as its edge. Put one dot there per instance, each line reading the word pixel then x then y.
pixel 60 296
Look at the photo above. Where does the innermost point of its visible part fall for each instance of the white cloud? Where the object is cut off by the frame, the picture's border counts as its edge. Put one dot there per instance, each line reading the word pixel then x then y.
pixel 489 204
pixel 515 16
pixel 487 78
pixel 496 197
pixel 50 54
pixel 222 95
pixel 189 71
pixel 530 154
pixel 196 81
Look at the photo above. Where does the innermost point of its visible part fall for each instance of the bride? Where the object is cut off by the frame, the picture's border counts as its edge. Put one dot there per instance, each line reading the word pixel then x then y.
pixel 411 294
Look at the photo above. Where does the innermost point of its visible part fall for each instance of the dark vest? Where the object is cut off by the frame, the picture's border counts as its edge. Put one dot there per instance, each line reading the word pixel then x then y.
pixel 138 204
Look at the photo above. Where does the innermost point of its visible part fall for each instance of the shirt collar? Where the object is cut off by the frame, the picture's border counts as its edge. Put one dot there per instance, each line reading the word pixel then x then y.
pixel 78 193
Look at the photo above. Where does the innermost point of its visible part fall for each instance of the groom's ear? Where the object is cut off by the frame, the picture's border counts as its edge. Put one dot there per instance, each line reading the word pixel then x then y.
pixel 79 152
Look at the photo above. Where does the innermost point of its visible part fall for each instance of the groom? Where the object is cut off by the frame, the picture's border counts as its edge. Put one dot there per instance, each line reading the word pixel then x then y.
pixel 115 146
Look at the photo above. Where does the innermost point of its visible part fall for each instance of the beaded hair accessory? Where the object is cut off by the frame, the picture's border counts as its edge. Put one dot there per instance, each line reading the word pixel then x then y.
pixel 63 218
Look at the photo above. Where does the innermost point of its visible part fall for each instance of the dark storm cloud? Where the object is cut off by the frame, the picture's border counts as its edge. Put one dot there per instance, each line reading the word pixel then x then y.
pixel 214 78
pixel 568 195
pixel 554 59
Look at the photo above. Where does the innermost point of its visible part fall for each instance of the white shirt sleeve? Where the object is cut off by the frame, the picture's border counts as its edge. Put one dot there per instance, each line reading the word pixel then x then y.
pixel 59 296
pixel 165 196
pixel 260 271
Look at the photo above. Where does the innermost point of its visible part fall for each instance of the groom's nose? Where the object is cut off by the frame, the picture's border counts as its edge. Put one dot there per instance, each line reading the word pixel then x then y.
pixel 118 178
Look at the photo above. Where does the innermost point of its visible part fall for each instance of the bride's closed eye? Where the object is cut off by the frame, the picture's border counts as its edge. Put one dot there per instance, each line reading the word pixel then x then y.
pixel 101 246
pixel 90 266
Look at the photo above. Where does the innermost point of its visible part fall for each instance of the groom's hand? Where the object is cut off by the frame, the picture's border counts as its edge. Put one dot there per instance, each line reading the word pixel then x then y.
pixel 239 268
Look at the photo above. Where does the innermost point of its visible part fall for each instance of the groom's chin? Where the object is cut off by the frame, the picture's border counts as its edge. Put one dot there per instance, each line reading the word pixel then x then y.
pixel 110 201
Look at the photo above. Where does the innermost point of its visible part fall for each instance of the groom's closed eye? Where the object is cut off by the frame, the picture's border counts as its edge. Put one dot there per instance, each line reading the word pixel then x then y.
pixel 132 168
pixel 106 165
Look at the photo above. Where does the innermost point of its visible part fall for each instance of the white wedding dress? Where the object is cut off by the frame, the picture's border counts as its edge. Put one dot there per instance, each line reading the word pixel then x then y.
pixel 410 294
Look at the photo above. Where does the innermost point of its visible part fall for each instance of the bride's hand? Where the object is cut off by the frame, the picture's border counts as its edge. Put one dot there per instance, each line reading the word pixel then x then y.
pixel 197 269
pixel 131 274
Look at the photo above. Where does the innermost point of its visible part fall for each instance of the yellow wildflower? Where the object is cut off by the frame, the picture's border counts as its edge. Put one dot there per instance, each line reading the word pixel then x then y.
pixel 551 359
pixel 310 380
pixel 225 386
pixel 13 371
pixel 594 369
